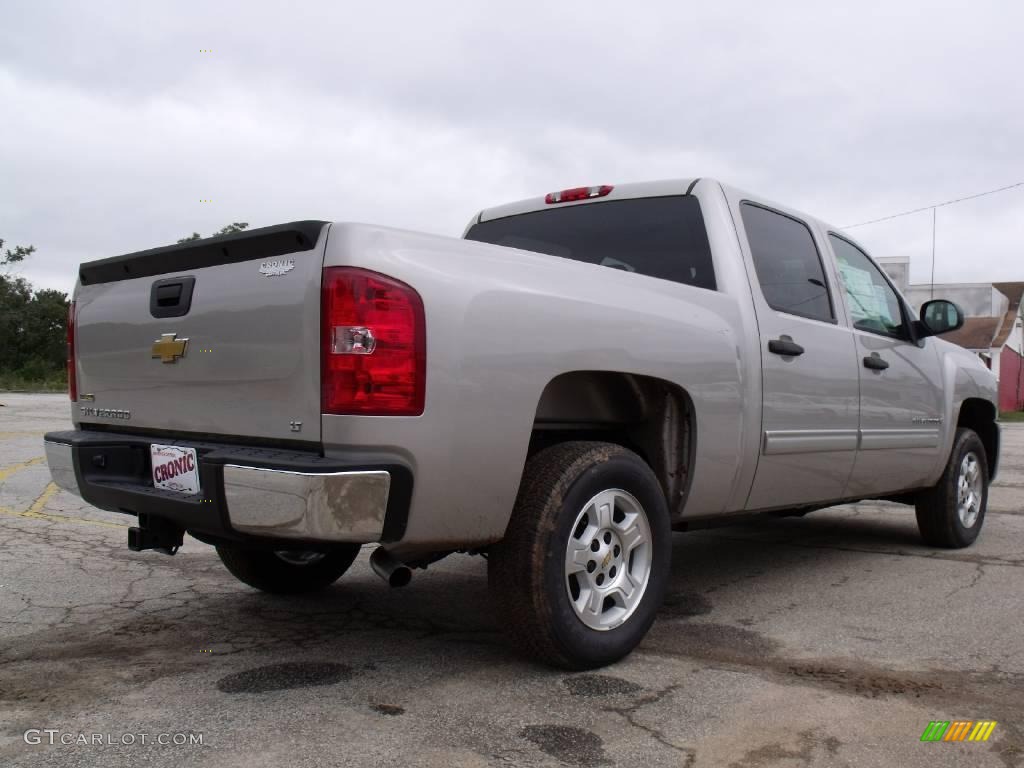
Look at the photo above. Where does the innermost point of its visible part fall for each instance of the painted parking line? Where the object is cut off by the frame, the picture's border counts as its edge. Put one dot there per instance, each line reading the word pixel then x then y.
pixel 11 469
pixel 35 511
pixel 37 506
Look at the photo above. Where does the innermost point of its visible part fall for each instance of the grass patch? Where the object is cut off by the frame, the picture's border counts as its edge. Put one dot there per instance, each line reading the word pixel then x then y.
pixel 16 382
pixel 1017 416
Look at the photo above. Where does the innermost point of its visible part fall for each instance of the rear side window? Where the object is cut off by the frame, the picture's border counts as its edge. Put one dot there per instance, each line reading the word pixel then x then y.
pixel 788 263
pixel 661 237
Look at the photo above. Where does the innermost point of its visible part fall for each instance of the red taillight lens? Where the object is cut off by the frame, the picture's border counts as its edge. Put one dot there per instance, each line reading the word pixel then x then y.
pixel 577 193
pixel 373 337
pixel 72 379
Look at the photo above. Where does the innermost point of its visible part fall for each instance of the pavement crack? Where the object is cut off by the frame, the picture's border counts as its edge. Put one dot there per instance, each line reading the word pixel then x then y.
pixel 631 715
pixel 978 573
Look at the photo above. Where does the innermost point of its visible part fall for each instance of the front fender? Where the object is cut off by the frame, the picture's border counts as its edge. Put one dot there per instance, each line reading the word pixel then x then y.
pixel 964 377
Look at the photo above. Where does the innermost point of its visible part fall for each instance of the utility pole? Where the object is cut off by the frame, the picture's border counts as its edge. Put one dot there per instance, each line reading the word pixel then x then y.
pixel 934 209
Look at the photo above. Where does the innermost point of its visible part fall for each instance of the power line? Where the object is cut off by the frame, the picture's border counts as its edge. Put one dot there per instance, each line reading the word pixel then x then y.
pixel 936 205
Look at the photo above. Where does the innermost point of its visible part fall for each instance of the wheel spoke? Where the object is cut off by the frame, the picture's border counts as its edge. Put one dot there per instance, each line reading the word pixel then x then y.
pixel 579 555
pixel 626 587
pixel 631 538
pixel 604 506
pixel 594 601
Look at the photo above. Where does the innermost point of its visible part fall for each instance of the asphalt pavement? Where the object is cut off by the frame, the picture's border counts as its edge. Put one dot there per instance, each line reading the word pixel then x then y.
pixel 829 640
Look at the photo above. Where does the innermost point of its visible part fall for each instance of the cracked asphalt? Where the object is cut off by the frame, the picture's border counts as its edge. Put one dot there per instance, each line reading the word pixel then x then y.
pixel 828 640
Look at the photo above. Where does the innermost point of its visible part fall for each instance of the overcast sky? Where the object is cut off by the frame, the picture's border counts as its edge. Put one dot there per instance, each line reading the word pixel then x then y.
pixel 417 114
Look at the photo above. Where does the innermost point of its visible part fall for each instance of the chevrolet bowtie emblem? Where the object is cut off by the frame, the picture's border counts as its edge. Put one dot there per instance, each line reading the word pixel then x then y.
pixel 169 349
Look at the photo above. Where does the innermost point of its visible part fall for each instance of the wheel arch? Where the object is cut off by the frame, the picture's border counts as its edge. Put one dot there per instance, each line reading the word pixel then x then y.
pixel 651 416
pixel 980 415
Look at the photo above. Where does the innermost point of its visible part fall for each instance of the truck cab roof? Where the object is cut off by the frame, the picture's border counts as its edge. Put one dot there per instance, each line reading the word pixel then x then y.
pixel 619 192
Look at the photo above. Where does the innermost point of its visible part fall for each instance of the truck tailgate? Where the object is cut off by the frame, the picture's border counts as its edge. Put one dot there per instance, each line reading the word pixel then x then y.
pixel 241 358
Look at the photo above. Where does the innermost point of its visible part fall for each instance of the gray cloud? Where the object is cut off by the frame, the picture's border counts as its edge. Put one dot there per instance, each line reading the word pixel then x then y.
pixel 418 114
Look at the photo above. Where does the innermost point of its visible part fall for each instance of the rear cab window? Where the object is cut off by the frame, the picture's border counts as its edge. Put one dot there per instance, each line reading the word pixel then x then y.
pixel 788 264
pixel 661 237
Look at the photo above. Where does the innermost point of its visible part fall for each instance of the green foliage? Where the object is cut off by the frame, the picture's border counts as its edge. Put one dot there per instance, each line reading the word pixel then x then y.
pixel 53 382
pixel 33 328
pixel 10 257
pixel 230 229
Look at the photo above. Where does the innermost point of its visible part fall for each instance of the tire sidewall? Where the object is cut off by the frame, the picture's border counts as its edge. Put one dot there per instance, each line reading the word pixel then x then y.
pixel 581 644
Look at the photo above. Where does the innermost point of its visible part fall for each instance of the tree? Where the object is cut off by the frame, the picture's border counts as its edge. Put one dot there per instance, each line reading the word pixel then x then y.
pixel 9 257
pixel 15 295
pixel 230 229
pixel 44 334
pixel 33 323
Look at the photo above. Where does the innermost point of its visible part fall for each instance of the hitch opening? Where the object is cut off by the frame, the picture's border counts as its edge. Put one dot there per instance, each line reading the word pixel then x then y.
pixel 155 533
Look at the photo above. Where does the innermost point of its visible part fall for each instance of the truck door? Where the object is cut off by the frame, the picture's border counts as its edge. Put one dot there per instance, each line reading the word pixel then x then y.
pixel 900 381
pixel 808 364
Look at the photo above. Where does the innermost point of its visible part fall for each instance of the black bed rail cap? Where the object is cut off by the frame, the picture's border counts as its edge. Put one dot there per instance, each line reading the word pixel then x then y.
pixel 262 243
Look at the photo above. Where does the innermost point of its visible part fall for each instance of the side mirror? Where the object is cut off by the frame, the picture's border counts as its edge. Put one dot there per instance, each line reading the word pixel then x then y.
pixel 939 316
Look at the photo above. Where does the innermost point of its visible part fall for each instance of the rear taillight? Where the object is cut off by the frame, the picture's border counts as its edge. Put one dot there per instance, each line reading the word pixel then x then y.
pixel 72 379
pixel 577 193
pixel 373 342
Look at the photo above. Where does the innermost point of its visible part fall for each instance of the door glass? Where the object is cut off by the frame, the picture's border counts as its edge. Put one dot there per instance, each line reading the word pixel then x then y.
pixel 874 305
pixel 787 262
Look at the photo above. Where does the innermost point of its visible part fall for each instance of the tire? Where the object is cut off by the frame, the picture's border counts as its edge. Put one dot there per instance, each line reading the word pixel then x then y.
pixel 287 572
pixel 562 494
pixel 950 514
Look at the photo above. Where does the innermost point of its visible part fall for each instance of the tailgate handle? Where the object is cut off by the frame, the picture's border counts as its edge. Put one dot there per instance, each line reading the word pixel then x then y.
pixel 171 297
pixel 168 295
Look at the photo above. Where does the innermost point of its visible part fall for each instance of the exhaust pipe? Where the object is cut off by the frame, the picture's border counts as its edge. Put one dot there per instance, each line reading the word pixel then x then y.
pixel 390 568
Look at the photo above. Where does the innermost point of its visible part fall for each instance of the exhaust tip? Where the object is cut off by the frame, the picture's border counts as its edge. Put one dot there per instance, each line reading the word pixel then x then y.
pixel 391 569
pixel 400 576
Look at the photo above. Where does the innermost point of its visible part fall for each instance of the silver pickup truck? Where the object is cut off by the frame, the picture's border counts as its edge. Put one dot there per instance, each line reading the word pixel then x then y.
pixel 579 376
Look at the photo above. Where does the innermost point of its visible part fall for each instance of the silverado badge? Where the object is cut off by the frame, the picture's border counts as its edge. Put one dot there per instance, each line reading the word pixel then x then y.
pixel 168 348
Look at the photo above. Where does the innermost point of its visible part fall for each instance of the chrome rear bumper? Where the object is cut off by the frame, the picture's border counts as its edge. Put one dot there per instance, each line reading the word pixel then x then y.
pixel 300 496
pixel 336 506
pixel 61 462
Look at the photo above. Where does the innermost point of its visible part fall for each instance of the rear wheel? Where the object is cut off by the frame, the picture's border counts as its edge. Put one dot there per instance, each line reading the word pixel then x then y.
pixel 583 567
pixel 950 514
pixel 287 571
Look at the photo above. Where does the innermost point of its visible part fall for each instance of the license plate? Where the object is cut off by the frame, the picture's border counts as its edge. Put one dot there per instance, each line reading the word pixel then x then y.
pixel 175 468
